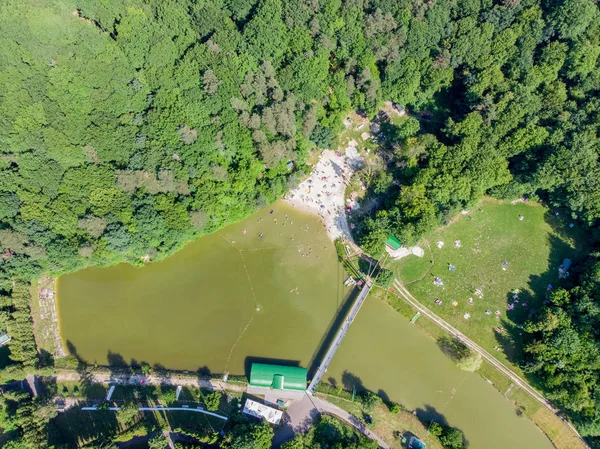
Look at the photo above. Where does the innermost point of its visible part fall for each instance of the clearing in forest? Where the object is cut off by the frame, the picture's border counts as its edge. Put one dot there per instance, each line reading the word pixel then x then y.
pixel 494 269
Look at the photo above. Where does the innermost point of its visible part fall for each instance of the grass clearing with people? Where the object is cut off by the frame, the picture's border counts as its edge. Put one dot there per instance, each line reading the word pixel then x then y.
pixel 557 431
pixel 494 268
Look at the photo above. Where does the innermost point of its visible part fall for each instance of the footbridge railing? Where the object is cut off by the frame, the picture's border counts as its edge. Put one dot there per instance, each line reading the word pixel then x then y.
pixel 335 344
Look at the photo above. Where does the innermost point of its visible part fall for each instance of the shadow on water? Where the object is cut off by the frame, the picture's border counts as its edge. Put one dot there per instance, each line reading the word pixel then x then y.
pixel 351 381
pixel 331 332
pixel 203 372
pixel 430 414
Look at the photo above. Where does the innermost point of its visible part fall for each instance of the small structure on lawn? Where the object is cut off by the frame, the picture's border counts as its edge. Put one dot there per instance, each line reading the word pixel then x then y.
pixel 563 270
pixel 415 443
pixel 393 243
pixel 262 411
pixel 278 377
pixel 4 339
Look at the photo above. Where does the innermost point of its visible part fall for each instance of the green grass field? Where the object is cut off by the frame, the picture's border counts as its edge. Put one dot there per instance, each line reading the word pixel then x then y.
pixel 490 235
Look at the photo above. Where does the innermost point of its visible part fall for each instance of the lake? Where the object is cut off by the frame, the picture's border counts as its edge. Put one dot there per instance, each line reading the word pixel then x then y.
pixel 384 353
pixel 221 299
pixel 233 297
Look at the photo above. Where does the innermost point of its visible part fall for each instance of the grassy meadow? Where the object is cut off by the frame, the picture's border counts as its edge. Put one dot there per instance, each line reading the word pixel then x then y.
pixel 490 235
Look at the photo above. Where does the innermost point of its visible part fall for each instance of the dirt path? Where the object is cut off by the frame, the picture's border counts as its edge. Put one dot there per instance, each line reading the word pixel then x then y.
pixel 301 413
pixel 408 297
pixel 140 379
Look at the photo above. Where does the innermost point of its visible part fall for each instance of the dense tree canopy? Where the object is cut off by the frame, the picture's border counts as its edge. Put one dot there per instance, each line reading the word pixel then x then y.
pixel 129 127
pixel 563 349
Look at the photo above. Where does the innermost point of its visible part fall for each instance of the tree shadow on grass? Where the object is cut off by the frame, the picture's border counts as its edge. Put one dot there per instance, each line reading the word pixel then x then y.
pixel 75 426
pixel 523 305
pixel 510 340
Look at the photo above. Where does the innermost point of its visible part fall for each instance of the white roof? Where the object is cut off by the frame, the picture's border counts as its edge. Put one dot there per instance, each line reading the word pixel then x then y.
pixel 259 410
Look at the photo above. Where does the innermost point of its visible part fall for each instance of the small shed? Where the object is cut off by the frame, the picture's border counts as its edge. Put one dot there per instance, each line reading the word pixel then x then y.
pixel 393 242
pixel 278 377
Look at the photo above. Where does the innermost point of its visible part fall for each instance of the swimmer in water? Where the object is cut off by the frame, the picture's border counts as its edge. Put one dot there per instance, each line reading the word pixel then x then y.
pixel 260 236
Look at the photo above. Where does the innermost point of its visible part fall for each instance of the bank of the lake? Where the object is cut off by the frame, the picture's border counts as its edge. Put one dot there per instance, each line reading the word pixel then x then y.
pixel 233 297
pixel 223 298
pixel 384 353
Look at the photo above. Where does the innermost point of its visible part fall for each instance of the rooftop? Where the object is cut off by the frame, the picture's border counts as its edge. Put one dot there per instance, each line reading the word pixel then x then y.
pixel 393 242
pixel 259 410
pixel 278 376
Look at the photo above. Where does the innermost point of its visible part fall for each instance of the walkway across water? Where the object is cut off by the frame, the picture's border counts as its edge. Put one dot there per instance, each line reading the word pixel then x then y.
pixel 335 344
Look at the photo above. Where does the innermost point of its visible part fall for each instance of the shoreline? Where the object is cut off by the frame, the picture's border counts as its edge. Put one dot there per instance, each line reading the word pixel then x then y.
pixel 323 193
pixel 45 317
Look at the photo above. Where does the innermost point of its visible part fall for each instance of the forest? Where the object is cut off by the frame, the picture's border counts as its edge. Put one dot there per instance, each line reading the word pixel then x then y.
pixel 130 127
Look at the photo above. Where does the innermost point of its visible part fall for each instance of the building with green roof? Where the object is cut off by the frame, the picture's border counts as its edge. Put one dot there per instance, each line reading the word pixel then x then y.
pixel 278 377
pixel 393 242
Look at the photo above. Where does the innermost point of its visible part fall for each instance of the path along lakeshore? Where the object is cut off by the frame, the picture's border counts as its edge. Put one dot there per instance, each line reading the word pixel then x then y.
pixel 404 294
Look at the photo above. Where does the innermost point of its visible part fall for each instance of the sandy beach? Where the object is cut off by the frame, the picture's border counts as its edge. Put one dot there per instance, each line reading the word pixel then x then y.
pixel 323 193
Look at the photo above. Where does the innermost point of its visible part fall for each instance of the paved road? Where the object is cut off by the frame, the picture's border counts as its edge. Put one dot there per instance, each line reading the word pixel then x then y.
pixel 408 297
pixel 301 414
pixel 326 407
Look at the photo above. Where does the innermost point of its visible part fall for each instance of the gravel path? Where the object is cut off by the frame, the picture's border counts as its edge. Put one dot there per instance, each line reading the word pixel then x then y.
pixel 301 414
pixel 408 297
pixel 139 379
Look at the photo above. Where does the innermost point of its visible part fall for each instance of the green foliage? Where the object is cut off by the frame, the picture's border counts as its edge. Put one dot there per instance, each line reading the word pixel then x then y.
pixel 322 136
pixel 465 358
pixel 385 277
pixel 130 128
pixel 369 401
pixel 128 414
pixel 394 408
pixel 450 437
pixel 158 442
pixel 562 348
pixel 330 432
pixel 28 417
pixel 252 436
pixel 212 401
pixel 168 396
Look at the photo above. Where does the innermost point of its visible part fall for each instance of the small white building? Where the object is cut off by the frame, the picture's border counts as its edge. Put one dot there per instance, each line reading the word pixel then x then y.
pixel 258 410
pixel 4 339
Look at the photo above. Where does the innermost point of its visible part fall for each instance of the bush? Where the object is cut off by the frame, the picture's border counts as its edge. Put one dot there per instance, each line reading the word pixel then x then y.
pixel 322 136
pixel 169 397
pixel 385 278
pixel 370 401
pixel 450 437
pixel 394 408
pixel 212 401
pixel 463 356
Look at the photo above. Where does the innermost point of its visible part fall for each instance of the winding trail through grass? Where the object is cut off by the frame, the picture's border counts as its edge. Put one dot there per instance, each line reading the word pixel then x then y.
pixel 403 293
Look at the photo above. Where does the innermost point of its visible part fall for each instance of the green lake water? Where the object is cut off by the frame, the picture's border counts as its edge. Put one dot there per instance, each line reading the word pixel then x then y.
pixel 230 298
pixel 221 299
pixel 384 353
